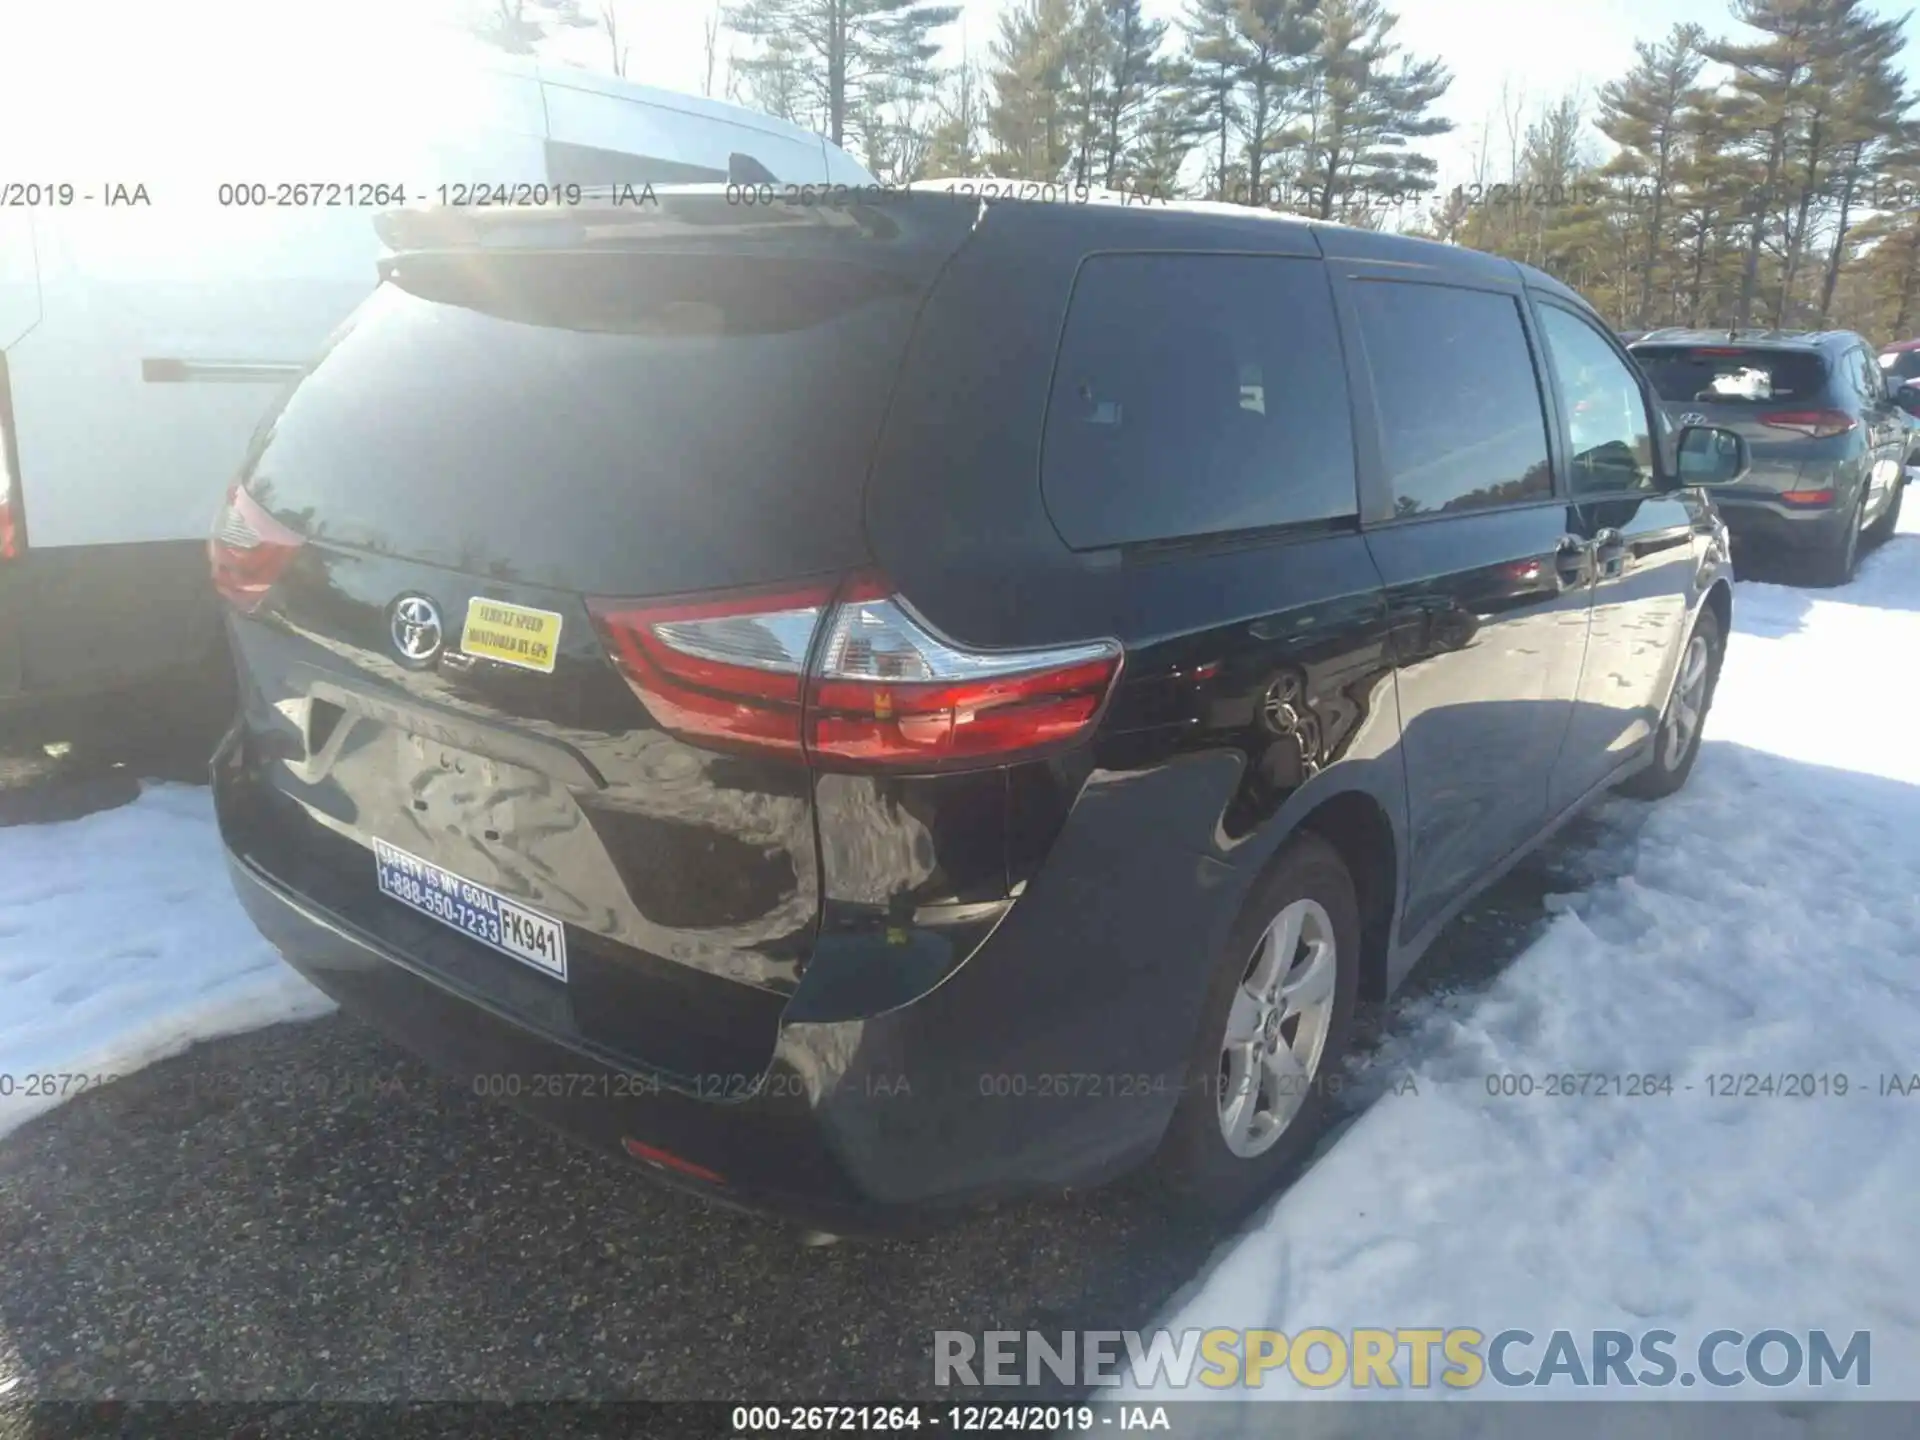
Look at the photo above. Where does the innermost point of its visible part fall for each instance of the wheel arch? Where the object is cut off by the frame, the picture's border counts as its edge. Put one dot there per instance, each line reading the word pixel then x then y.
pixel 1357 825
pixel 1719 599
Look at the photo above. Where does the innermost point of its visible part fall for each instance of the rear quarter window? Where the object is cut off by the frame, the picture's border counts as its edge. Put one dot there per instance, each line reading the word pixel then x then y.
pixel 1197 394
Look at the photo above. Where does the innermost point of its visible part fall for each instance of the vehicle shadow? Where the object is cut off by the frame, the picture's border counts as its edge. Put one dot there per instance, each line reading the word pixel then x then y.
pixel 1774 602
pixel 306 1211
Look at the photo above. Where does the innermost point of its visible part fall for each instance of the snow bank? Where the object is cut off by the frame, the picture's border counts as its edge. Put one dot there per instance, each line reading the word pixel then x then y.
pixel 1764 921
pixel 120 944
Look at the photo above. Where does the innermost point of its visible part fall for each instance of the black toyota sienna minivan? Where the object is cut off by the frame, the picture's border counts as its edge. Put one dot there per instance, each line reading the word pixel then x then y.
pixel 868 706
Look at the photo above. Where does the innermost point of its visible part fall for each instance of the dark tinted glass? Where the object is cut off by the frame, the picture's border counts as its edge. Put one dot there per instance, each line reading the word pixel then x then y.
pixel 1196 394
pixel 1609 435
pixel 1867 381
pixel 618 423
pixel 1461 417
pixel 588 165
pixel 1730 374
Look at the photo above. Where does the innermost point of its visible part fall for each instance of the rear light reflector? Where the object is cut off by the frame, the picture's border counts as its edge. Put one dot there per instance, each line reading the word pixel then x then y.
pixel 248 550
pixel 885 690
pixel 1807 497
pixel 889 691
pixel 726 669
pixel 12 532
pixel 1817 424
pixel 667 1160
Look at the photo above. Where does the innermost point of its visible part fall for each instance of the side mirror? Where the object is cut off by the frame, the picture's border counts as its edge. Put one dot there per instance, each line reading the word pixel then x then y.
pixel 1710 455
pixel 1907 397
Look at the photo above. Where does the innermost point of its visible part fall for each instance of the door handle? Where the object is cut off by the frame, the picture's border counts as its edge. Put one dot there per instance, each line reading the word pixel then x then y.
pixel 1609 552
pixel 1572 561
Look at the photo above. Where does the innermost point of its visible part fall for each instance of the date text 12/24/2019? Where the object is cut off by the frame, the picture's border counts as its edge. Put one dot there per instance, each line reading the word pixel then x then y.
pixel 464 194
pixel 956 1419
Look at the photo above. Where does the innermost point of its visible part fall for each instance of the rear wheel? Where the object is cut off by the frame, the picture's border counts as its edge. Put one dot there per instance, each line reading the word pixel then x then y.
pixel 1676 744
pixel 1272 1033
pixel 1836 561
pixel 1882 529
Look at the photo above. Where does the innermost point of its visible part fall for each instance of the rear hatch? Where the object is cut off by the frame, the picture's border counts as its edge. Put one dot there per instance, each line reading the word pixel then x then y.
pixel 535 429
pixel 1777 397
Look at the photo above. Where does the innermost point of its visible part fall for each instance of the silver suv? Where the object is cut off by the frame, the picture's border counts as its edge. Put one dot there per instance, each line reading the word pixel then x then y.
pixel 1828 442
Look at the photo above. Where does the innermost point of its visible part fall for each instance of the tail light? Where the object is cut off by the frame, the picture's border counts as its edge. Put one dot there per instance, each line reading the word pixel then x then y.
pixel 248 550
pixel 1818 424
pixel 13 539
pixel 1807 497
pixel 888 691
pixel 883 689
pixel 729 669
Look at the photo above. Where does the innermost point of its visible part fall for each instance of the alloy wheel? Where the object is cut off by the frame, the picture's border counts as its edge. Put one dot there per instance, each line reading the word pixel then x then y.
pixel 1277 1028
pixel 1688 703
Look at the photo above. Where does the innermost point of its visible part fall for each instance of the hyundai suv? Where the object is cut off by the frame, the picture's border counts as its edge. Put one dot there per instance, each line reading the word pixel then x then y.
pixel 867 706
pixel 1828 442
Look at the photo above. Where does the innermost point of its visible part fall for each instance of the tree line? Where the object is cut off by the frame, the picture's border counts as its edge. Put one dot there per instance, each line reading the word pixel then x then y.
pixel 1766 174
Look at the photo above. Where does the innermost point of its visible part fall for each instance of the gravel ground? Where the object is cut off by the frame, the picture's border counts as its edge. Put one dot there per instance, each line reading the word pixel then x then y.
pixel 307 1213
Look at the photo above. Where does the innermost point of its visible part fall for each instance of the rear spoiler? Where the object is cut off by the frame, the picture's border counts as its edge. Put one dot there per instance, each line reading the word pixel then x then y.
pixel 683 216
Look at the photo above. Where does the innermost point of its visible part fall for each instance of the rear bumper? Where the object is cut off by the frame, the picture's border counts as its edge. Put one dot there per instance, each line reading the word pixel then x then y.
pixel 1015 1074
pixel 1756 521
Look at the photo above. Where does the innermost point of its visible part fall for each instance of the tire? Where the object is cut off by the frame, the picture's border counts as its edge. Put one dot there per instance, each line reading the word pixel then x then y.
pixel 1881 530
pixel 1674 753
pixel 1836 562
pixel 1197 1170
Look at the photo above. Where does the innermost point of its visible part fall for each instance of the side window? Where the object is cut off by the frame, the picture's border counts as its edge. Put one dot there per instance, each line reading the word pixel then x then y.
pixel 1870 384
pixel 589 165
pixel 1461 418
pixel 1609 430
pixel 1195 394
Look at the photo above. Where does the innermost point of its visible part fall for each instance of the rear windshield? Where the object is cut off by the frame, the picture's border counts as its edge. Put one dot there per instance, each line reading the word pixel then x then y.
pixel 1901 364
pixel 1725 374
pixel 617 423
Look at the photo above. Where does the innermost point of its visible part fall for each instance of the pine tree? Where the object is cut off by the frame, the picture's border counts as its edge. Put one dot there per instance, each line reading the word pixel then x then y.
pixel 1029 118
pixel 1133 77
pixel 855 52
pixel 1280 38
pixel 1873 135
pixel 1168 135
pixel 776 79
pixel 1369 100
pixel 1643 114
pixel 1770 91
pixel 1216 57
pixel 957 144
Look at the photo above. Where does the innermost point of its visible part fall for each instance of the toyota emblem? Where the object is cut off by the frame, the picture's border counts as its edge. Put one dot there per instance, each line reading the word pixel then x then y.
pixel 416 628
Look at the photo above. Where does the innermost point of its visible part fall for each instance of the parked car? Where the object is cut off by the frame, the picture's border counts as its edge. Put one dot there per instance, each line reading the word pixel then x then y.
pixel 867 707
pixel 1906 399
pixel 1901 361
pixel 140 343
pixel 1829 445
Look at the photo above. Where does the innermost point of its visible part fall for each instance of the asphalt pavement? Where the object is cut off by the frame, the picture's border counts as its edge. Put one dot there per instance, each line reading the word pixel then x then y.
pixel 306 1213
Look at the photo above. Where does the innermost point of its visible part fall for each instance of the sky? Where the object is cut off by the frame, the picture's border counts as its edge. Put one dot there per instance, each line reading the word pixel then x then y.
pixel 1538 49
pixel 1534 50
